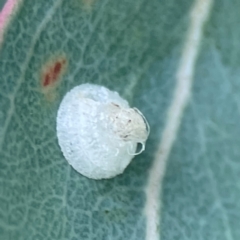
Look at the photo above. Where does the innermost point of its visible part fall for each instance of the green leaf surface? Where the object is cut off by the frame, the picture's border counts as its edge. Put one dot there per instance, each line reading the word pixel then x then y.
pixel 133 47
pixel 2 2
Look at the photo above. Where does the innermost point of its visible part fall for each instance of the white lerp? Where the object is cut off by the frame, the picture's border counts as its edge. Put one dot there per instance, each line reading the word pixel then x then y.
pixel 98 132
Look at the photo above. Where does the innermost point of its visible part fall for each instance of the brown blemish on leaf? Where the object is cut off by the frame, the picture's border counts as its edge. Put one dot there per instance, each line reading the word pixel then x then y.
pixel 51 75
pixel 88 4
pixel 52 72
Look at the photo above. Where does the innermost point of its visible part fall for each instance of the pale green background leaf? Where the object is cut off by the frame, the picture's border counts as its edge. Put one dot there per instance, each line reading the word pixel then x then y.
pixel 132 47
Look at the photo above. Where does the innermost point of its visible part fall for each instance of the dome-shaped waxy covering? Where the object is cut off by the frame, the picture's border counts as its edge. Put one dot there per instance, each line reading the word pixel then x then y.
pixel 87 129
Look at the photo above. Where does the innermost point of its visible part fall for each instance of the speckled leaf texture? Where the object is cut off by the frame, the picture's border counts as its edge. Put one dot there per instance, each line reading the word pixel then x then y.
pixel 133 47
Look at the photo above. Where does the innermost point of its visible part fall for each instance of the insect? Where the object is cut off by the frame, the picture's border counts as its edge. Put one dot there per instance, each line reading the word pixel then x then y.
pixel 98 132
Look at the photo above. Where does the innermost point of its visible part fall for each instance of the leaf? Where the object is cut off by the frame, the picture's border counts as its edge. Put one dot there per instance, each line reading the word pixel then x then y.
pixel 135 48
pixel 2 3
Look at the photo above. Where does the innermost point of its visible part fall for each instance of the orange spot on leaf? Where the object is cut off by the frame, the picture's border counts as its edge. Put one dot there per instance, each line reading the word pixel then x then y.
pixel 88 4
pixel 52 72
pixel 57 68
pixel 46 80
